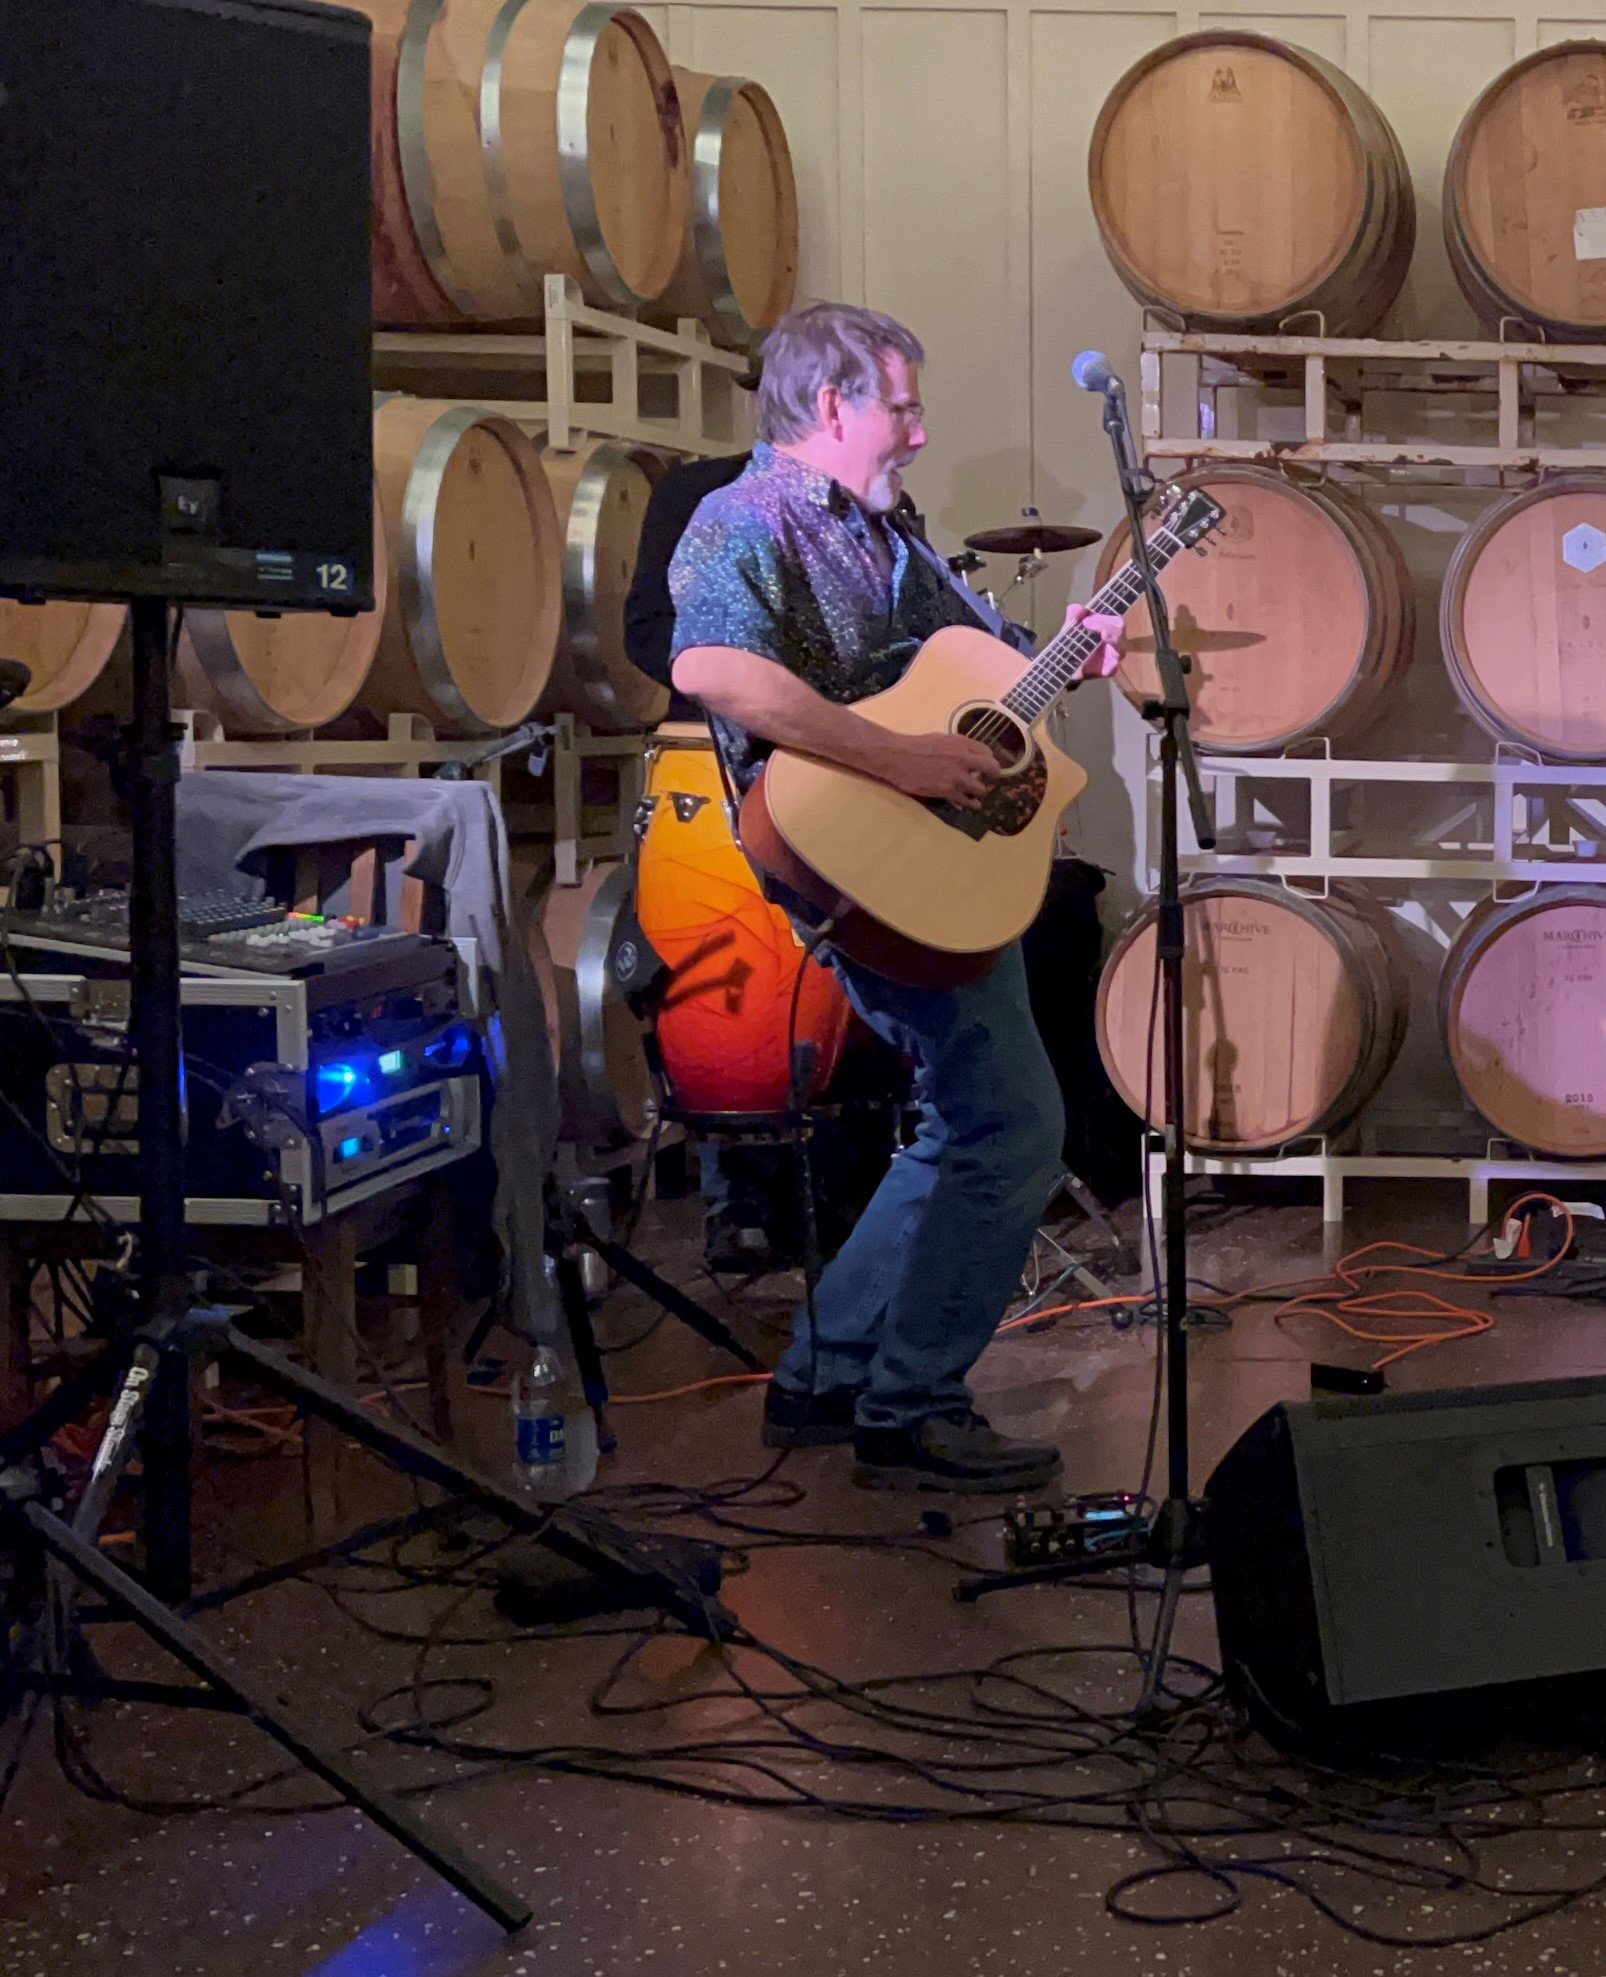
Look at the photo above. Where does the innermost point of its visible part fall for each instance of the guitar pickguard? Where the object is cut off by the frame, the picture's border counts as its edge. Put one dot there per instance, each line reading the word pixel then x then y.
pixel 1007 808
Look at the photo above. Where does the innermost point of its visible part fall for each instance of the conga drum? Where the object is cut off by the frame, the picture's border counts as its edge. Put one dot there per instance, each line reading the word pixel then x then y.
pixel 724 1024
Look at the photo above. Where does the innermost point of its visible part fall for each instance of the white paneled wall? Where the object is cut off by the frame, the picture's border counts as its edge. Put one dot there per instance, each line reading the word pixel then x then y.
pixel 941 154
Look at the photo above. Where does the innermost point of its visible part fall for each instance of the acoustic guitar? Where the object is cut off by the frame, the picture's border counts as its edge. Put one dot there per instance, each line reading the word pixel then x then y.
pixel 922 890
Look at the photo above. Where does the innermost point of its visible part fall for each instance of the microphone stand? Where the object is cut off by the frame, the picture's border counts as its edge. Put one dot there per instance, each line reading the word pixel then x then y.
pixel 1173 1538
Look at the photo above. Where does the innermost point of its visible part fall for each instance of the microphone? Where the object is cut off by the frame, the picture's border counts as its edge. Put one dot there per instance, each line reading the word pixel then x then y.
pixel 1091 370
pixel 14 678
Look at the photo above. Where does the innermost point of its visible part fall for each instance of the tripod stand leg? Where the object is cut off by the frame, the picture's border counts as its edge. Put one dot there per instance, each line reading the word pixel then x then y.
pixel 64 1404
pixel 674 1301
pixel 587 1359
pixel 202 1659
pixel 1126 1264
pixel 165 1458
pixel 582 1538
pixel 111 1458
pixel 154 1027
pixel 1152 1701
pixel 16 1360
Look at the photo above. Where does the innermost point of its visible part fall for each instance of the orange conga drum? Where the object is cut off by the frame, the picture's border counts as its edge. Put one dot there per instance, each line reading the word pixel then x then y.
pixel 733 959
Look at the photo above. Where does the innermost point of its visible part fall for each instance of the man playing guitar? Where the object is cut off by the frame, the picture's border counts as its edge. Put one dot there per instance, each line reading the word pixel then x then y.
pixel 798 591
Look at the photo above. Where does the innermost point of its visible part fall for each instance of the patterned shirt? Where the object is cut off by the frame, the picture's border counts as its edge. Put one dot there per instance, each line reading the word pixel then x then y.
pixel 784 563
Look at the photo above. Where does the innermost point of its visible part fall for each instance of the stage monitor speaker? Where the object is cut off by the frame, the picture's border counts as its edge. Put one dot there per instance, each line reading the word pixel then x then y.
pixel 1412 1559
pixel 185 408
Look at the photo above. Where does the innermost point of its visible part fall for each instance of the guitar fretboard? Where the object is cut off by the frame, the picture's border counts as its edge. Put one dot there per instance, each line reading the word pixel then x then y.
pixel 1056 667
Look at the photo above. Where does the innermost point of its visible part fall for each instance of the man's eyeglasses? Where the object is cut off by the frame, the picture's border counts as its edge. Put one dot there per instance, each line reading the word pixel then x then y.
pixel 905 412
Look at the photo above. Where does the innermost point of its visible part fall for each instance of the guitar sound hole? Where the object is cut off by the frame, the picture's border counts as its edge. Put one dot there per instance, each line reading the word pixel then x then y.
pixel 998 730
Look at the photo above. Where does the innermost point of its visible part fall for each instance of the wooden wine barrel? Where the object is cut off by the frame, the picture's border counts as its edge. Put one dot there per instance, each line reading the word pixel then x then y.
pixel 1520 1001
pixel 1522 615
pixel 265 676
pixel 605 1086
pixel 738 261
pixel 1238 181
pixel 65 647
pixel 1524 198
pixel 405 294
pixel 531 138
pixel 601 493
pixel 1300 615
pixel 475 602
pixel 1295 1011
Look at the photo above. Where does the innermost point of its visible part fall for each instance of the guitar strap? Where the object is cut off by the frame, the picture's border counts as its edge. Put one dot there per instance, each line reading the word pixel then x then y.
pixel 733 803
pixel 987 614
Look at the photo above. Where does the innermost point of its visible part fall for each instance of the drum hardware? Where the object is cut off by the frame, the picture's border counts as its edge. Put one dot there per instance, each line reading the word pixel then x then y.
pixel 1032 536
pixel 590 1198
pixel 964 566
pixel 1122 1261
pixel 572 1230
pixel 685 804
pixel 578 1238
pixel 1026 571
pixel 1031 539
pixel 536 736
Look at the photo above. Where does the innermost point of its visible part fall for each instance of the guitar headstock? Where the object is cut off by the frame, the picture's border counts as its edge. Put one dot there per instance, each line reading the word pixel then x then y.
pixel 1191 517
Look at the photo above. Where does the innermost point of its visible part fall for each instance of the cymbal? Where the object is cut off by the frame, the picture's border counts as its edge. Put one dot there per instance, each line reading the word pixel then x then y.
pixel 1031 539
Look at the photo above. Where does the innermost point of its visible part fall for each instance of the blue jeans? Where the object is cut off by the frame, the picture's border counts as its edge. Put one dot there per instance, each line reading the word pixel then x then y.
pixel 916 1292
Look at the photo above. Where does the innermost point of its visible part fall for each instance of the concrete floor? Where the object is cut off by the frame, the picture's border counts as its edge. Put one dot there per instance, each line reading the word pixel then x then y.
pixel 624 1879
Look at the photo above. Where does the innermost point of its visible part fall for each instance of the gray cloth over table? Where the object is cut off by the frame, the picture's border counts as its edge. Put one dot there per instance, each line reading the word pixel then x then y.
pixel 228 822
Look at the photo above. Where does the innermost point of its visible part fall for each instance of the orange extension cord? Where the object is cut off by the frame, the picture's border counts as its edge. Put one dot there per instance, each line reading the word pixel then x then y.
pixel 1339 1297
pixel 1344 1303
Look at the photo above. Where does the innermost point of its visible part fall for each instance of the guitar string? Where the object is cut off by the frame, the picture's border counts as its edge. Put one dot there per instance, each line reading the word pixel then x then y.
pixel 1028 701
pixel 1041 685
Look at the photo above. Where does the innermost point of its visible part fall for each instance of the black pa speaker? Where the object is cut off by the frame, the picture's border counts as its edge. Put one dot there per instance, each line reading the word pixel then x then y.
pixel 185 408
pixel 1392 1570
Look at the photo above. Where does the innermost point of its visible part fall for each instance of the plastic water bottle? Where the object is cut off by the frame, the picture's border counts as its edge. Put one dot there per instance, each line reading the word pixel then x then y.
pixel 539 1452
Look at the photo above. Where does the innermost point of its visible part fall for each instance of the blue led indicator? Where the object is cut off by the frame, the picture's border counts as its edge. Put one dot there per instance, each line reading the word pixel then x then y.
pixel 451 1050
pixel 339 1085
pixel 349 1149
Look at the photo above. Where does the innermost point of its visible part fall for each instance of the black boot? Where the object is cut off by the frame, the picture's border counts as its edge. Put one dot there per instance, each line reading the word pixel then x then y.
pixel 951 1452
pixel 800 1420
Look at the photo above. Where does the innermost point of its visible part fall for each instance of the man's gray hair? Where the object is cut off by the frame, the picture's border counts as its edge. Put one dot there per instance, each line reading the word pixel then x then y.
pixel 830 343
